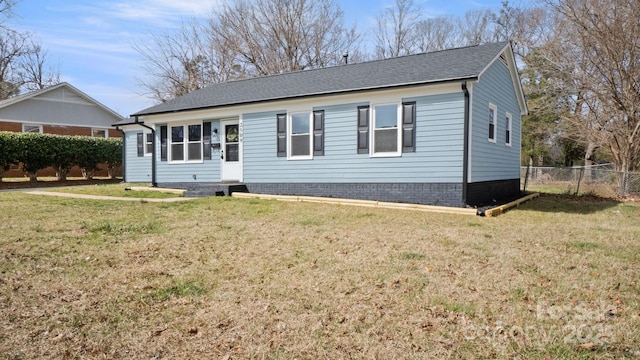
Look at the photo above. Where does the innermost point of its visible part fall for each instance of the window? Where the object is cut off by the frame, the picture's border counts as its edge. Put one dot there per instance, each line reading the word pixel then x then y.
pixel 148 143
pixel 507 140
pixel 386 137
pixel 32 128
pixel 177 143
pixel 194 150
pixel 99 133
pixel 300 136
pixel 393 129
pixel 145 143
pixel 186 143
pixel 493 110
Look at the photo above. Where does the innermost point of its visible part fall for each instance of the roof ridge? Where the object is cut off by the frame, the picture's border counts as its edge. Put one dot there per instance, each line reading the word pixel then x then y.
pixel 428 67
pixel 354 64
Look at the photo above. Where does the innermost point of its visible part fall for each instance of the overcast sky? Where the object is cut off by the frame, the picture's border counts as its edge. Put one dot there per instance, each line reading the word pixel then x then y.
pixel 91 40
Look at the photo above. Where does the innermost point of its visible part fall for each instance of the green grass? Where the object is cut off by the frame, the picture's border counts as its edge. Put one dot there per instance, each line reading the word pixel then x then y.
pixel 412 256
pixel 221 276
pixel 179 289
pixel 110 227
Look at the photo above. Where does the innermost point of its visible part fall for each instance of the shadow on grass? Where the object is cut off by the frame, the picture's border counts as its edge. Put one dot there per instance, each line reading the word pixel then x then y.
pixel 10 184
pixel 572 204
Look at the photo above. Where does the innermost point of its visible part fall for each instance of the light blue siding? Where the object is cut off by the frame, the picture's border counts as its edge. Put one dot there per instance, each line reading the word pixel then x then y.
pixel 136 169
pixel 438 156
pixel 494 161
pixel 207 171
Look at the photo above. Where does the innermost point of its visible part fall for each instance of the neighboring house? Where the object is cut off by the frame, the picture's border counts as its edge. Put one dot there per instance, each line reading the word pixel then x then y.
pixel 437 128
pixel 60 109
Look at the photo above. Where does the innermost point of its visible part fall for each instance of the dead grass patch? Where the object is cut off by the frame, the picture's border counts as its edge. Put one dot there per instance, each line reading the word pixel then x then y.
pixel 239 278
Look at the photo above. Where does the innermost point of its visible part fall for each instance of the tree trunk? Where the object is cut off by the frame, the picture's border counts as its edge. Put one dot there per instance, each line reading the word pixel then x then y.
pixel 589 161
pixel 111 171
pixel 33 177
pixel 61 173
pixel 87 174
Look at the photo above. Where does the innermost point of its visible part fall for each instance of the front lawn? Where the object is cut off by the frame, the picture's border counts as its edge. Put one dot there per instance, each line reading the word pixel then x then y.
pixel 237 278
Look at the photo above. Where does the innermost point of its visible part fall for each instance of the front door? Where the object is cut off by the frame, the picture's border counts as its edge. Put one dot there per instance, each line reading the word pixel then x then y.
pixel 230 151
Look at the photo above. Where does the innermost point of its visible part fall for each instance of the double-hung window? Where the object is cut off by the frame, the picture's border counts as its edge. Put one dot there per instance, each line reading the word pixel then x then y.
pixel 144 143
pixel 493 126
pixel 301 136
pixel 507 134
pixel 186 143
pixel 387 129
pixel 386 137
pixel 148 143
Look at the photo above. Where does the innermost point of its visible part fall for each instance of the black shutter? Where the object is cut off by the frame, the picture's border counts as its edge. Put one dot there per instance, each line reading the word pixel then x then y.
pixel 206 140
pixel 318 133
pixel 140 137
pixel 409 127
pixel 163 143
pixel 282 134
pixel 363 129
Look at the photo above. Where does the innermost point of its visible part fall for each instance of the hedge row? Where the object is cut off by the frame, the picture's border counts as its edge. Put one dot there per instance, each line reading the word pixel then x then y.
pixel 38 151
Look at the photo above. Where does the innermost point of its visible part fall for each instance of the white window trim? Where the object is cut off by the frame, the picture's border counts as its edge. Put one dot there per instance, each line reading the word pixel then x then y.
pixel 144 137
pixel 290 135
pixel 495 123
pixel 185 143
pixel 106 132
pixel 38 125
pixel 508 126
pixel 372 131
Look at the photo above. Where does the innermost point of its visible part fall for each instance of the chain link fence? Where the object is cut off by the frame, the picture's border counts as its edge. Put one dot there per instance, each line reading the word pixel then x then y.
pixel 598 179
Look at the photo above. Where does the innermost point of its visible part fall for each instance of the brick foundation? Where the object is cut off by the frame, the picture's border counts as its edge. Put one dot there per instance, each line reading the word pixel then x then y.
pixel 443 194
pixel 490 192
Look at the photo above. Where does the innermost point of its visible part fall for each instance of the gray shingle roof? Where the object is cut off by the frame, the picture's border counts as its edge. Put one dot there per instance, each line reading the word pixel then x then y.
pixel 439 66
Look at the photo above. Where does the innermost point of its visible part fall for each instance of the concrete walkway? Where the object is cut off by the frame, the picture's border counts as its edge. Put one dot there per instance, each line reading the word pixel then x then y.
pixel 100 197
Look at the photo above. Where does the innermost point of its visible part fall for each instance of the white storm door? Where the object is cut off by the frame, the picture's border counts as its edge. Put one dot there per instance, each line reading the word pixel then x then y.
pixel 230 152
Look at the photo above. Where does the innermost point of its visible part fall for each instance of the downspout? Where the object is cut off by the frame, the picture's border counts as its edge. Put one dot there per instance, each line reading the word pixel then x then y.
pixel 465 153
pixel 153 154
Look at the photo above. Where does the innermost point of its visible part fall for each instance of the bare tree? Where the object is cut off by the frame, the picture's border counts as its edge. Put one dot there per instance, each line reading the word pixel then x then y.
pixel 6 10
pixel 190 59
pixel 34 70
pixel 598 53
pixel 395 32
pixel 475 27
pixel 524 27
pixel 13 46
pixel 243 39
pixel 437 33
pixel 23 62
pixel 278 36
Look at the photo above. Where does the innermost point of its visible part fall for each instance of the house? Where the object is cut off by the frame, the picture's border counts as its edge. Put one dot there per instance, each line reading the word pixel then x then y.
pixel 59 109
pixel 438 128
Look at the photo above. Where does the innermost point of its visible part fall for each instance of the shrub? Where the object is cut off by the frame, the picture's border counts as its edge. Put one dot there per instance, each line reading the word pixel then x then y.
pixel 38 151
pixel 8 152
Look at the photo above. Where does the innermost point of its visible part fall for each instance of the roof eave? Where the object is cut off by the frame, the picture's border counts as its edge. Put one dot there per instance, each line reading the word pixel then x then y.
pixel 134 120
pixel 327 93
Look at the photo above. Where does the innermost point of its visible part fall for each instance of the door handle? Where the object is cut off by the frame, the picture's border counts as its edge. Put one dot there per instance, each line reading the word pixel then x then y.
pixel 222 154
